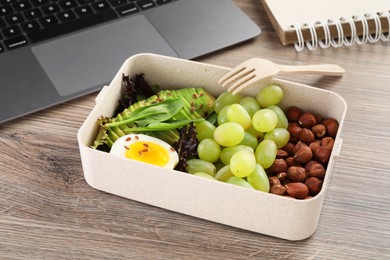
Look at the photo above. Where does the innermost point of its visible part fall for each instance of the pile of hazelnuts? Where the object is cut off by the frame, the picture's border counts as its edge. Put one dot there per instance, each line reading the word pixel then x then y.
pixel 300 166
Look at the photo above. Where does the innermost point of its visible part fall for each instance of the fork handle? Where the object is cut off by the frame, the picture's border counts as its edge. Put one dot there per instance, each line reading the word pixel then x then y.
pixel 320 69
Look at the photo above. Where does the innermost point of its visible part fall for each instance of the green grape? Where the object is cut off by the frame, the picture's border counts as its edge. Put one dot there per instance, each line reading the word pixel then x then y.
pixel 204 130
pixel 259 179
pixel 237 113
pixel 198 165
pixel 270 95
pixel 249 140
pixel 222 116
pixel 265 153
pixel 204 175
pixel 229 134
pixel 209 150
pixel 225 99
pixel 250 104
pixel 253 131
pixel 224 173
pixel 242 163
pixel 264 120
pixel 280 136
pixel 239 182
pixel 282 119
pixel 219 164
pixel 227 153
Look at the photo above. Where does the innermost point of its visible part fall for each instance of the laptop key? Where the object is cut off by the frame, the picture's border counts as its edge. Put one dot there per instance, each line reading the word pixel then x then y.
pixel 51 8
pixel 30 26
pixel 117 2
pixel 161 2
pixel 71 26
pixel 5 2
pixel 82 2
pixel 100 5
pixel 40 2
pixel 12 31
pixel 14 19
pixel 22 5
pixel 48 21
pixel 33 14
pixel 15 42
pixel 145 4
pixel 4 10
pixel 84 10
pixel 66 16
pixel 68 4
pixel 127 9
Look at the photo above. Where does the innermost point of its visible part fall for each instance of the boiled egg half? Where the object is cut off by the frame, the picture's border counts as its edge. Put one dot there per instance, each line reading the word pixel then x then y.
pixel 147 149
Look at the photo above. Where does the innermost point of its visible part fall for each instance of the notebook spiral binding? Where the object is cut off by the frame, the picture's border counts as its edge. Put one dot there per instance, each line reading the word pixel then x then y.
pixel 341 39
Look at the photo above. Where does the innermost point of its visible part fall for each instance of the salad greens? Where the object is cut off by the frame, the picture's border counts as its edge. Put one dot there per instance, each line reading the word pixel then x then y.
pixel 162 114
pixel 158 112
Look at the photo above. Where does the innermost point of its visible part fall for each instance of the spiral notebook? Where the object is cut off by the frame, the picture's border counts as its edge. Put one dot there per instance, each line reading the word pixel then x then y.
pixel 325 23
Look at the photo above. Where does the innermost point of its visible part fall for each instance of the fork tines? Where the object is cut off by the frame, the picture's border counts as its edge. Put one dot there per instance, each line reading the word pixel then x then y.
pixel 238 79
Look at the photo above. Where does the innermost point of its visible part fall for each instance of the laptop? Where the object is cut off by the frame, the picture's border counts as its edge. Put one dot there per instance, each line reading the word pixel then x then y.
pixel 55 51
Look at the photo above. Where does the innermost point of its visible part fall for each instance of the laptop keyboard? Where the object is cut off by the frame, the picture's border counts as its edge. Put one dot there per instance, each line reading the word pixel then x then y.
pixel 29 21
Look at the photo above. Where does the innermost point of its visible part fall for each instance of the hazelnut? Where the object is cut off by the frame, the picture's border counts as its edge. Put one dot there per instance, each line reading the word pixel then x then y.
pixel 332 126
pixel 316 170
pixel 278 166
pixel 296 174
pixel 298 146
pixel 293 124
pixel 288 148
pixel 281 154
pixel 314 185
pixel 291 161
pixel 294 130
pixel 293 114
pixel 297 190
pixel 278 189
pixel 307 120
pixel 319 130
pixel 323 154
pixel 273 181
pixel 303 155
pixel 328 142
pixel 314 146
pixel 306 136
pixel 282 176
pixel 310 164
pixel 319 118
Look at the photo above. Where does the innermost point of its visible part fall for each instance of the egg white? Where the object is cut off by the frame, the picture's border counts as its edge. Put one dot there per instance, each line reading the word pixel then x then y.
pixel 122 145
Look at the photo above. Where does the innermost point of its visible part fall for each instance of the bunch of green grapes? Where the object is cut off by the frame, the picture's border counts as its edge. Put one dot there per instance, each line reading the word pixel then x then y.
pixel 243 140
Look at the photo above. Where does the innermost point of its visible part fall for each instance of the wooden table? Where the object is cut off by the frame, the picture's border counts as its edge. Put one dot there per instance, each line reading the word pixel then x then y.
pixel 48 211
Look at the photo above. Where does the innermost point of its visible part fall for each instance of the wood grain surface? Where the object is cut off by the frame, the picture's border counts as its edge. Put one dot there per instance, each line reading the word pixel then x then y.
pixel 48 211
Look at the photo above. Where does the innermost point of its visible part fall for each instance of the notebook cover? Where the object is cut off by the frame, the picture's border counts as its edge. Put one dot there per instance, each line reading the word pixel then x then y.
pixel 285 13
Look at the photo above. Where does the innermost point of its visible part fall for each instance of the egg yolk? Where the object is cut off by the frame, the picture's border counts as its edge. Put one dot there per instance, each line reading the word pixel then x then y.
pixel 148 152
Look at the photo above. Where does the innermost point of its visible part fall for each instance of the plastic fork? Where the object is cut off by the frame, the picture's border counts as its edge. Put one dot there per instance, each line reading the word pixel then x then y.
pixel 256 70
